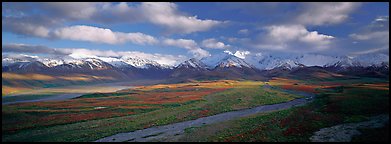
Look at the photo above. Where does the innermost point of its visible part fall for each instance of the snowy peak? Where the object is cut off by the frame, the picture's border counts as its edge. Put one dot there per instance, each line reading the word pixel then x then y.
pixel 225 59
pixel 233 61
pixel 115 62
pixel 315 59
pixel 142 63
pixel 49 62
pixel 371 60
pixel 261 61
pixel 192 63
pixel 268 62
pixel 7 60
pixel 342 62
pixel 96 63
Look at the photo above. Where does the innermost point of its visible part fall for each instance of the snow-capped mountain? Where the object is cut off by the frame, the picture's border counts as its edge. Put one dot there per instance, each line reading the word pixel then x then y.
pixel 225 60
pixel 371 60
pixel 116 62
pixel 142 63
pixel 268 61
pixel 341 62
pixel 260 61
pixel 192 63
pixel 50 62
pixel 233 61
pixel 7 60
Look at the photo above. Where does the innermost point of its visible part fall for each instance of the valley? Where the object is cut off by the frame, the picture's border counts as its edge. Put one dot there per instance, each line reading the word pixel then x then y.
pixel 99 115
pixel 116 100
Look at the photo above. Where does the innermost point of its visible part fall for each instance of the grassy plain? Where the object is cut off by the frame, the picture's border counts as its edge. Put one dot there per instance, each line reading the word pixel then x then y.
pixel 94 116
pixel 336 103
pixel 98 115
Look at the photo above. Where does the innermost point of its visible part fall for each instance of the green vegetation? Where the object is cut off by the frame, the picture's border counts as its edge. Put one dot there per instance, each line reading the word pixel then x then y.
pixel 20 127
pixel 26 97
pixel 332 107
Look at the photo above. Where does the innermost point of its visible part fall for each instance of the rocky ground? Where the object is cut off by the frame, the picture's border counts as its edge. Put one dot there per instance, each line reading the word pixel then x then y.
pixel 345 132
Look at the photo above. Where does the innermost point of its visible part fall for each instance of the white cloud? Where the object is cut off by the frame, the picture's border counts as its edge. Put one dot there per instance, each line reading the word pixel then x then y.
pixel 384 49
pixel 24 27
pixel 214 44
pixel 160 13
pixel 36 49
pixel 243 31
pixel 283 34
pixel 382 19
pixel 163 14
pixel 326 13
pixel 167 15
pixel 101 35
pixel 73 10
pixel 373 38
pixel 376 32
pixel 316 38
pixel 190 45
pixel 371 35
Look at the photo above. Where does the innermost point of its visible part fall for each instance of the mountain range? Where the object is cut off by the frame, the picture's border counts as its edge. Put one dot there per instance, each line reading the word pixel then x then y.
pixel 224 65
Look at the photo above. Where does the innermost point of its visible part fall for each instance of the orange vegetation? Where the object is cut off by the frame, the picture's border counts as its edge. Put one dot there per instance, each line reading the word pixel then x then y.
pixel 149 97
pixel 13 76
pixel 42 77
pixel 8 90
pixel 378 86
pixel 84 77
pixel 326 75
pixel 204 84
pixel 137 107
pixel 299 86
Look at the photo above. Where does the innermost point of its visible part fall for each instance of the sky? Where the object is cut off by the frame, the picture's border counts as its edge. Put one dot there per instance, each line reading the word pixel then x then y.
pixel 172 32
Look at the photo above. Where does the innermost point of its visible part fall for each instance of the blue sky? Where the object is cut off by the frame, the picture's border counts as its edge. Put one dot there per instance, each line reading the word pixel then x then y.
pixel 188 29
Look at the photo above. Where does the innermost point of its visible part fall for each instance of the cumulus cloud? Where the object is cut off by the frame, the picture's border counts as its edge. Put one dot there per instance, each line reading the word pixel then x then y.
pixel 326 13
pixel 34 49
pixel 214 44
pixel 163 14
pixel 190 45
pixel 101 35
pixel 27 26
pixel 167 15
pixel 283 37
pixel 72 10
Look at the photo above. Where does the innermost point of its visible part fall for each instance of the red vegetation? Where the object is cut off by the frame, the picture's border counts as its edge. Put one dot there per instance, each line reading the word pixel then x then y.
pixel 75 110
pixel 249 134
pixel 305 88
pixel 300 125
